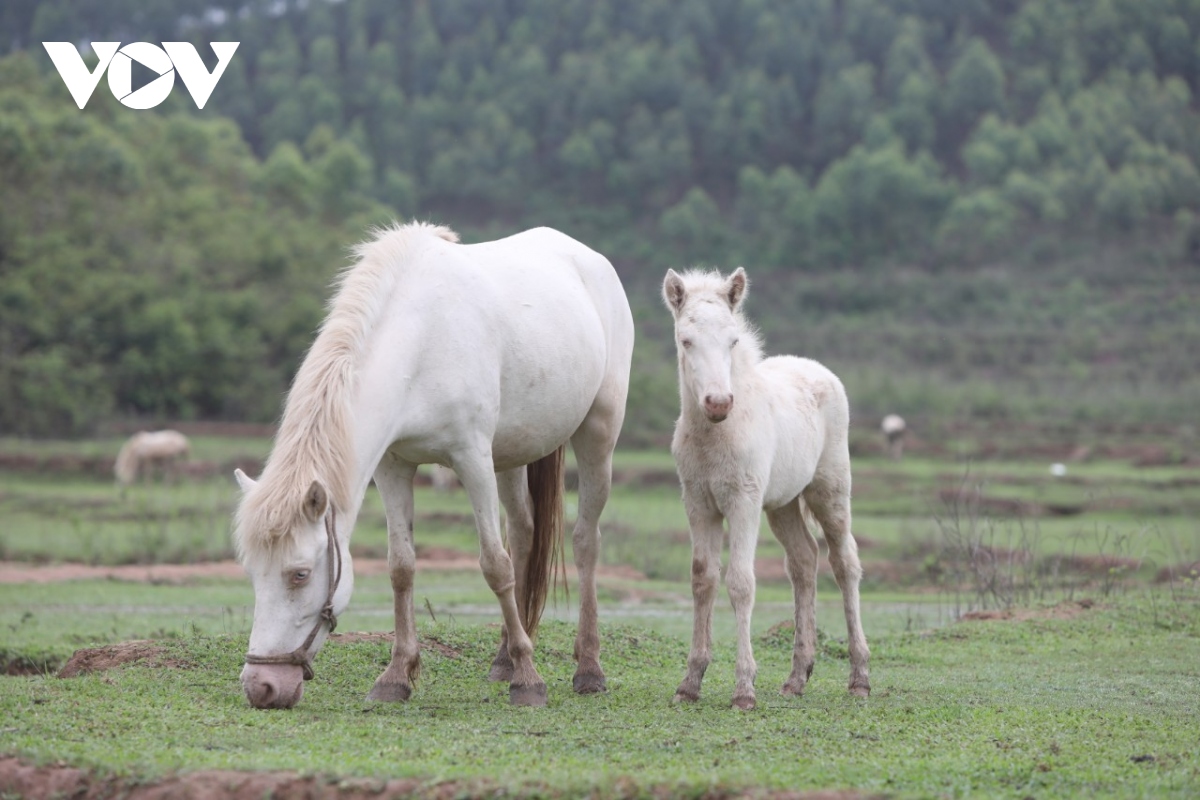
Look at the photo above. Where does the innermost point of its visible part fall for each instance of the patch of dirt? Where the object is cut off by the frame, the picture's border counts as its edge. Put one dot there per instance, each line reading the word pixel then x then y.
pixel 1064 610
pixel 59 780
pixel 1178 572
pixel 99 659
pixel 1098 564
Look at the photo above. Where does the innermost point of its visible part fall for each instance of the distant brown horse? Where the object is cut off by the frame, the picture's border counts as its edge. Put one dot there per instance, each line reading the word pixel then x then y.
pixel 145 450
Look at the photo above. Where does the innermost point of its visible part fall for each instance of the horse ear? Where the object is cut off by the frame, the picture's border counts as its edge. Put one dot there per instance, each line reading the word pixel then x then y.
pixel 244 481
pixel 315 501
pixel 735 288
pixel 673 292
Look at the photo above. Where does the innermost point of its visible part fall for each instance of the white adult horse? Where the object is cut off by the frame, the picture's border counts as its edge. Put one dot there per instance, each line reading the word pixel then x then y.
pixel 484 358
pixel 758 434
pixel 145 450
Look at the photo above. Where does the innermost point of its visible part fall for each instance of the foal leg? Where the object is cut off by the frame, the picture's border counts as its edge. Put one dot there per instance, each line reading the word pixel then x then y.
pixel 830 504
pixel 593 444
pixel 394 479
pixel 800 557
pixel 526 688
pixel 744 518
pixel 514 494
pixel 707 534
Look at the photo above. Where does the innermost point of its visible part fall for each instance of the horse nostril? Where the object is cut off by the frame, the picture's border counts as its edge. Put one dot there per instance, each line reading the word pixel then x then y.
pixel 261 693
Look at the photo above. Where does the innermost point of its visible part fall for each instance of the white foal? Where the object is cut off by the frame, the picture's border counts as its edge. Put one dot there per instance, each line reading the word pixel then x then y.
pixel 758 434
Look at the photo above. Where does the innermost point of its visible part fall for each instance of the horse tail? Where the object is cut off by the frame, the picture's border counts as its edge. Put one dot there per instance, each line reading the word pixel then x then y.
pixel 545 481
pixel 126 465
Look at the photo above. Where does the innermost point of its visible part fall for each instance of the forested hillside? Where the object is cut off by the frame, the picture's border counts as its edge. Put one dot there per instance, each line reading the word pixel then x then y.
pixel 1003 193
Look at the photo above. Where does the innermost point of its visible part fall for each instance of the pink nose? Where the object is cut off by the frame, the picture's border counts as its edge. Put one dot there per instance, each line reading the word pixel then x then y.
pixel 717 406
pixel 273 686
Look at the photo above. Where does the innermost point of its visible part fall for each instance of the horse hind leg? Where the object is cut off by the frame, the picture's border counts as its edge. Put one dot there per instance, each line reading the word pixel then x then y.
pixel 593 444
pixel 518 507
pixel 831 507
pixel 394 479
pixel 800 558
pixel 526 687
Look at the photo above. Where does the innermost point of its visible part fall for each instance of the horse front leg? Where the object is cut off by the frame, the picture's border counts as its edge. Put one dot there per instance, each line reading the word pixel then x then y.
pixel 743 518
pixel 395 481
pixel 706 529
pixel 526 688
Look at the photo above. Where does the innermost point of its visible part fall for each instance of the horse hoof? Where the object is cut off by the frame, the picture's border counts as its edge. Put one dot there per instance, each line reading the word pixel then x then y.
pixel 390 692
pixel 791 689
pixel 531 695
pixel 744 702
pixel 860 689
pixel 589 683
pixel 685 696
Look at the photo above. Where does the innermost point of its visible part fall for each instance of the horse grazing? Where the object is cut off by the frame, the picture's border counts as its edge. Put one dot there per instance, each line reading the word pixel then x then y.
pixel 144 451
pixel 485 358
pixel 758 434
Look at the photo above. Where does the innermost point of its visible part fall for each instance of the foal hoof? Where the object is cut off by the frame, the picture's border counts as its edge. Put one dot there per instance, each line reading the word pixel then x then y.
pixel 531 695
pixel 860 689
pixel 685 696
pixel 390 692
pixel 589 683
pixel 792 689
pixel 744 702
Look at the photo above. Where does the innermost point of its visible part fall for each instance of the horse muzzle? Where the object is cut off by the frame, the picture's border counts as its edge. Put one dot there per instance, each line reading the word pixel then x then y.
pixel 717 407
pixel 273 685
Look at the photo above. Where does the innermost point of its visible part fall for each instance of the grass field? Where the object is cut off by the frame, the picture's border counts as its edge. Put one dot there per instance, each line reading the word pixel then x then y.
pixel 1091 693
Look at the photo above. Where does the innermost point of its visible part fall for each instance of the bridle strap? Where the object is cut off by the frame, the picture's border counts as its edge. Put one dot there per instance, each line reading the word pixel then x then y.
pixel 299 657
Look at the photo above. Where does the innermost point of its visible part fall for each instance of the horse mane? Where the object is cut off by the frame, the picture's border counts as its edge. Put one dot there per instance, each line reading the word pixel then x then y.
pixel 707 286
pixel 313 442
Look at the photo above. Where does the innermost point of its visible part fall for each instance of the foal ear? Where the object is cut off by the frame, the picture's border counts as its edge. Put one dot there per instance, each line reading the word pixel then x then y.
pixel 315 501
pixel 735 288
pixel 673 291
pixel 244 481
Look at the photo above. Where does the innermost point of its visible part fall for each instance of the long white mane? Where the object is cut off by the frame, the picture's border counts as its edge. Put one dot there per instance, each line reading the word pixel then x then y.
pixel 314 437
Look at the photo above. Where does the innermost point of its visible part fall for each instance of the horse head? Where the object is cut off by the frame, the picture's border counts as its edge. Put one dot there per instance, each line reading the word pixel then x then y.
pixel 302 580
pixel 707 329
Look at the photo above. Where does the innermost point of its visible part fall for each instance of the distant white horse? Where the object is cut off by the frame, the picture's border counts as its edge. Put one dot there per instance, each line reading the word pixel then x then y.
pixel 758 434
pixel 894 430
pixel 484 357
pixel 143 451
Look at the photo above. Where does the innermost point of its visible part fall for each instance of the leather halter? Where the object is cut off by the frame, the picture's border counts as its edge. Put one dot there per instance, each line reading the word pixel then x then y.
pixel 299 657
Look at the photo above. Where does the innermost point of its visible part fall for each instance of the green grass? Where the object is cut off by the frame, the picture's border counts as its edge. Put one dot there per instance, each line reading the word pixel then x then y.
pixel 1044 707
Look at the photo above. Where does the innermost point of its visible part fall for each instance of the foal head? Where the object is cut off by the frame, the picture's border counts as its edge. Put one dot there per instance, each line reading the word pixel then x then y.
pixel 707 329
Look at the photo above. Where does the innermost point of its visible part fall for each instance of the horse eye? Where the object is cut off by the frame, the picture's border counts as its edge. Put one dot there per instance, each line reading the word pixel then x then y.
pixel 735 341
pixel 686 342
pixel 300 576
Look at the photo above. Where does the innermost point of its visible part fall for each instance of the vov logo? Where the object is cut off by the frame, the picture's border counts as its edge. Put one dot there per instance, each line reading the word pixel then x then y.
pixel 164 61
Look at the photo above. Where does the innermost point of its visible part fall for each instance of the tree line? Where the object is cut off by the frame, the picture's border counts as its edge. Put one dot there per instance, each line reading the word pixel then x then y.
pixel 814 135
